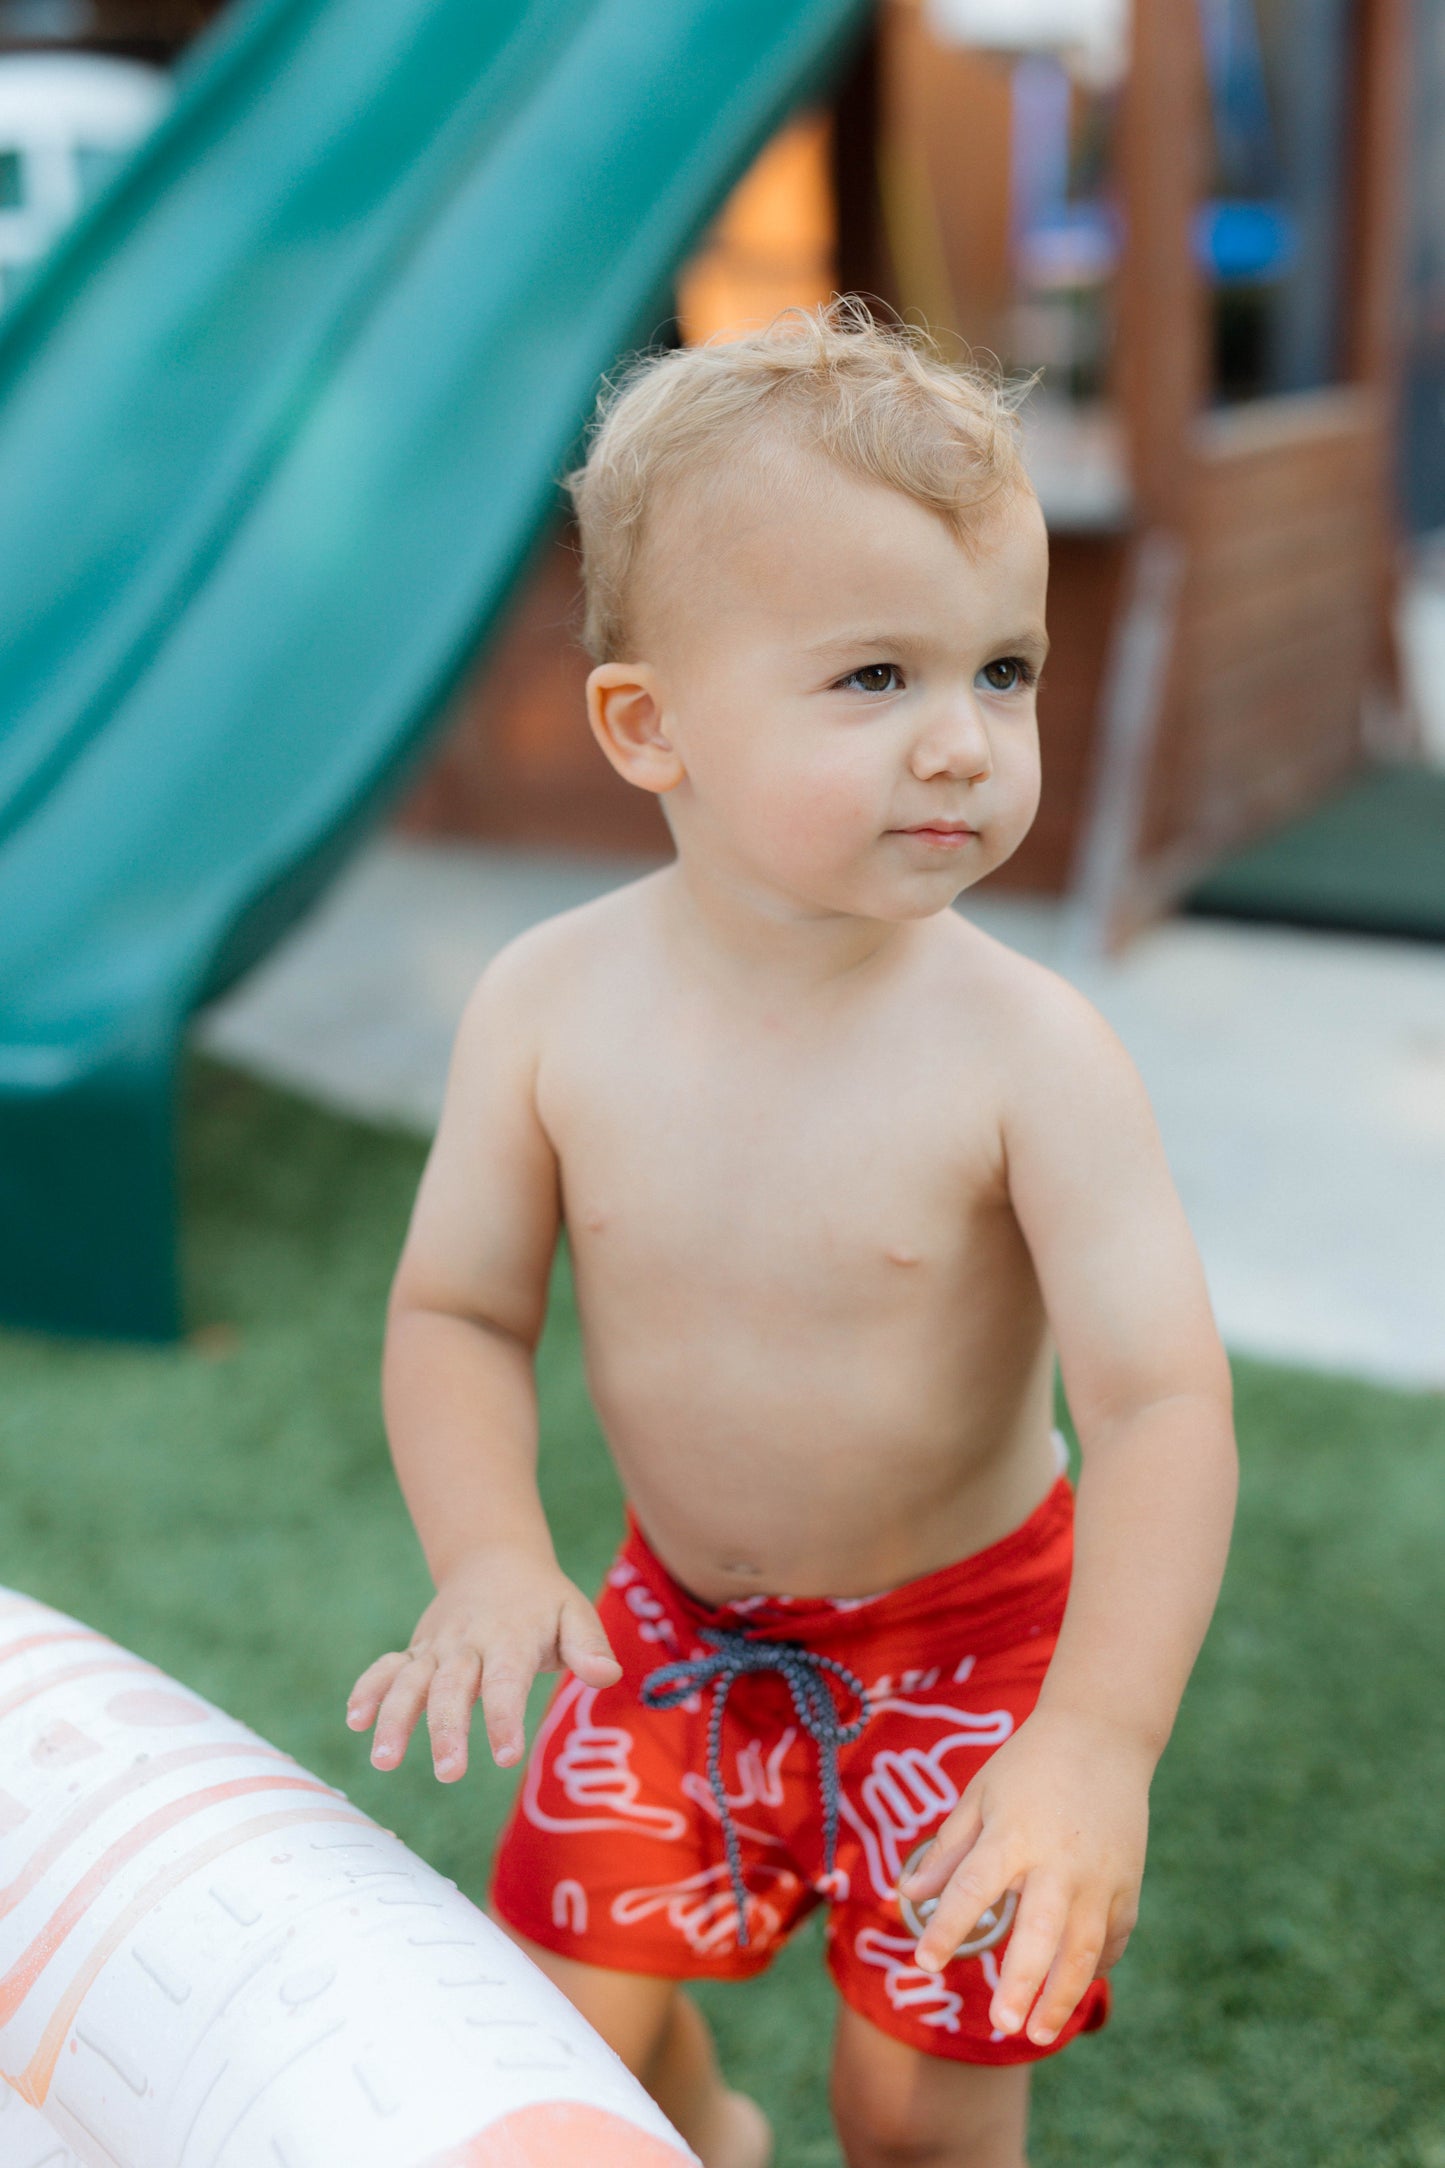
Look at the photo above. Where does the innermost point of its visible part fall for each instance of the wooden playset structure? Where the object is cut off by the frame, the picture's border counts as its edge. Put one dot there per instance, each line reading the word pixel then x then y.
pixel 1223 571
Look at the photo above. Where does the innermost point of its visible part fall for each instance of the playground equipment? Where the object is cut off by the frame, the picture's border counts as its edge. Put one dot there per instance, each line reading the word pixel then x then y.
pixel 207 1956
pixel 279 421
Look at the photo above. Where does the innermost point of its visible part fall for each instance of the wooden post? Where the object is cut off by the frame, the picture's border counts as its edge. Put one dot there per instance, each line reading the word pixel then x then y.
pixel 1162 351
pixel 1378 165
pixel 1373 342
pixel 1162 368
pixel 864 260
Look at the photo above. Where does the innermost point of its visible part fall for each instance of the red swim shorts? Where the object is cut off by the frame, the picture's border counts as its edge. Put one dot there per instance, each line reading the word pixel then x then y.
pixel 618 1851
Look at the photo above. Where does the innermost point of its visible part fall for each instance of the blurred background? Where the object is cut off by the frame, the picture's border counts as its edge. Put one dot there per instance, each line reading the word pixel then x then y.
pixel 302 306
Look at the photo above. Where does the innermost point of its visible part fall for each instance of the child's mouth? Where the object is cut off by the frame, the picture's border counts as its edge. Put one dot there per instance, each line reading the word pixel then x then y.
pixel 940 837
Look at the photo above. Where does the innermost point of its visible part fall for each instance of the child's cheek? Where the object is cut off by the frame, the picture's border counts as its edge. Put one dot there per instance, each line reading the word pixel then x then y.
pixel 832 807
pixel 822 836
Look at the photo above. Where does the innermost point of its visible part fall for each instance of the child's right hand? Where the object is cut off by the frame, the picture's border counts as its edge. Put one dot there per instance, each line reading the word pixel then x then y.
pixel 493 1624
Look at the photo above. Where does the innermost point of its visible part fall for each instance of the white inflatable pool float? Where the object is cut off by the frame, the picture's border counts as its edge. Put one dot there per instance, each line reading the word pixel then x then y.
pixel 210 1959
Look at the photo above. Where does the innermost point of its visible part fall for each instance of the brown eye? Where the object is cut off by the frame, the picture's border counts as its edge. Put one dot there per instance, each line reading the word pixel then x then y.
pixel 1005 675
pixel 874 677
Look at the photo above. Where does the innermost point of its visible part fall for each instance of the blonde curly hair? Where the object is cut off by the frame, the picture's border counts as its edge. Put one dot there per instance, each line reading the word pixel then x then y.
pixel 879 399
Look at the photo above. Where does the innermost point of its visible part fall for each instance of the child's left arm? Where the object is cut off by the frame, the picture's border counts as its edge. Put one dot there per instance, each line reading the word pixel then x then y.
pixel 1060 1811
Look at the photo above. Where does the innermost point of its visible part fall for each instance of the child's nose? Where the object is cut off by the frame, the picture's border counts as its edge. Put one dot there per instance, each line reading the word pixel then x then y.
pixel 955 743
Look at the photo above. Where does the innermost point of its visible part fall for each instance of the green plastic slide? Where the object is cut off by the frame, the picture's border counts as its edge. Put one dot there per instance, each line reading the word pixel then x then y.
pixel 279 424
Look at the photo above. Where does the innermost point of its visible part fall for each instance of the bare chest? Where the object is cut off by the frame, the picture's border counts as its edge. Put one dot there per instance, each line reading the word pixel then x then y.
pixel 776 1176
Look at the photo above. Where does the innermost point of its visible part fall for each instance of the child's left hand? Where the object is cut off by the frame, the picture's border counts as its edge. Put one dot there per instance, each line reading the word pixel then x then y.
pixel 1060 1814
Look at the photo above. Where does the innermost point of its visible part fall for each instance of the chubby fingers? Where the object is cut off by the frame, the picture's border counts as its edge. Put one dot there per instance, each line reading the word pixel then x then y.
pixel 371 1688
pixel 1074 1968
pixel 579 1645
pixel 979 1880
pixel 954 1840
pixel 446 1676
pixel 507 1674
pixel 1053 1955
pixel 398 1701
pixel 398 1688
pixel 583 1645
pixel 449 1704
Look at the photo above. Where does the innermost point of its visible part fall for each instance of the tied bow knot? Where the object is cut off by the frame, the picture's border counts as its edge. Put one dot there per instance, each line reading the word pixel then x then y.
pixel 808 1676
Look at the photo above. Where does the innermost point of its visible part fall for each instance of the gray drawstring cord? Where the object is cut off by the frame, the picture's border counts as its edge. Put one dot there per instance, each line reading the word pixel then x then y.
pixel 807 1674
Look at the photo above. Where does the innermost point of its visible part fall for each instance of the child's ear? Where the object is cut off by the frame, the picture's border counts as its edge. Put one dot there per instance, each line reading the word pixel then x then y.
pixel 625 712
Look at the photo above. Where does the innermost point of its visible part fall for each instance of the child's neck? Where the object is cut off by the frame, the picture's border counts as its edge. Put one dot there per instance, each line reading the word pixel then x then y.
pixel 772 943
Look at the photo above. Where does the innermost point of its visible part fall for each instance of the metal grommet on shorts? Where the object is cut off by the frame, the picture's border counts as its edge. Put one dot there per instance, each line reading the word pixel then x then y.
pixel 989 1930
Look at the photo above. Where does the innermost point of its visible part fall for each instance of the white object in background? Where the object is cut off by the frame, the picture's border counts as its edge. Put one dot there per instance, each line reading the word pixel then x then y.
pixel 210 1959
pixel 66 122
pixel 1092 34
pixel 1421 626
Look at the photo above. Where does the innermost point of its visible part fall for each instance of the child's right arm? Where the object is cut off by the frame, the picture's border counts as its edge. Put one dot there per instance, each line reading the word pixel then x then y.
pixel 466 1312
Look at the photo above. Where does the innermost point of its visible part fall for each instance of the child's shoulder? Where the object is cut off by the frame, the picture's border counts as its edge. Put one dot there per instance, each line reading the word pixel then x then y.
pixel 1038 1023
pixel 1022 993
pixel 544 969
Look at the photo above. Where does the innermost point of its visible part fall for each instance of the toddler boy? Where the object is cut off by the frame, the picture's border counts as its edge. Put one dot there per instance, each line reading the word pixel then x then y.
pixel 839 1174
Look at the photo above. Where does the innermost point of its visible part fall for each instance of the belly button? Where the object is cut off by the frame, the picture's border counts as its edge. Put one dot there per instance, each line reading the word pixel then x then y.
pixel 900 1256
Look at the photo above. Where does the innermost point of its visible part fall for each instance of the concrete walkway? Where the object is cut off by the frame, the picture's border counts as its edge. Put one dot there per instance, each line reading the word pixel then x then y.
pixel 1299 1078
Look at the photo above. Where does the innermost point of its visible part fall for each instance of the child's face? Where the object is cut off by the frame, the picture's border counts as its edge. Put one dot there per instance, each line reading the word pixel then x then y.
pixel 847 690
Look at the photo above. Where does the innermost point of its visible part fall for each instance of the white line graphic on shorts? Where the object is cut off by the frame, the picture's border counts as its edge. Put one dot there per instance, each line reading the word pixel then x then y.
pixel 907 1682
pixel 592 1765
pixel 907 1792
pixel 654 1622
pixel 908 1987
pixel 703 1909
pixel 569 1906
pixel 760 1784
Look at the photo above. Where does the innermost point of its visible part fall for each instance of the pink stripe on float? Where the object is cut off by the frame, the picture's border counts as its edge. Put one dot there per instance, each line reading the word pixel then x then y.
pixel 18 1981
pixel 563 2134
pixel 33 2082
pixel 133 1779
pixel 38 1688
pixel 47 1640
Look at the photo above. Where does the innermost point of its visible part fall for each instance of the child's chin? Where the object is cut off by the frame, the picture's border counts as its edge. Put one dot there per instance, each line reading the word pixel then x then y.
pixel 908 910
pixel 939 892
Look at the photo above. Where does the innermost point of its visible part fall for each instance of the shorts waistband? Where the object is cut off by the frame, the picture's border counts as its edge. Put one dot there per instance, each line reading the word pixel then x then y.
pixel 994 1594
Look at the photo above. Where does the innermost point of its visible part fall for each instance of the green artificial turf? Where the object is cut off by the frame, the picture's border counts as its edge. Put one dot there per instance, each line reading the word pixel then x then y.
pixel 226 1508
